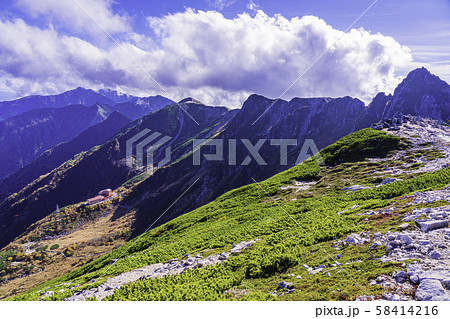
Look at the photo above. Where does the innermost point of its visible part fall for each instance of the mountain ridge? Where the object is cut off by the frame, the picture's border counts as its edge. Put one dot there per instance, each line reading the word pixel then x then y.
pixel 78 96
pixel 25 137
pixel 50 159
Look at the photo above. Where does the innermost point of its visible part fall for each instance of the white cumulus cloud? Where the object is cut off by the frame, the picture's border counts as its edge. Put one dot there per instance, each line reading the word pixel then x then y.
pixel 265 55
pixel 70 14
pixel 252 5
pixel 207 56
pixel 221 4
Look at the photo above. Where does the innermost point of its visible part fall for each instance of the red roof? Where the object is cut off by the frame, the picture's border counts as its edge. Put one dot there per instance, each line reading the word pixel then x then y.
pixel 95 199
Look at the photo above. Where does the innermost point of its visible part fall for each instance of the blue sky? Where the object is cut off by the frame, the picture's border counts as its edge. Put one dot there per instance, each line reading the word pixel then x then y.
pixel 162 37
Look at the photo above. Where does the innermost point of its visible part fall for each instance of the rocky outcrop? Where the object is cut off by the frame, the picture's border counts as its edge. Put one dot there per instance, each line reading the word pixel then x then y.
pixel 431 273
pixel 159 270
pixel 425 135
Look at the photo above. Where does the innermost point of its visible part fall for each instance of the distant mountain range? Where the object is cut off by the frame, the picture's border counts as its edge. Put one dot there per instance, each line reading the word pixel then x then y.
pixel 51 159
pixel 77 96
pixel 324 120
pixel 25 137
pixel 82 96
pixel 35 124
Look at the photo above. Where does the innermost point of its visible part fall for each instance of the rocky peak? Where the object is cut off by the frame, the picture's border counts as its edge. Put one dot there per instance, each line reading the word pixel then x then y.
pixel 421 81
pixel 421 93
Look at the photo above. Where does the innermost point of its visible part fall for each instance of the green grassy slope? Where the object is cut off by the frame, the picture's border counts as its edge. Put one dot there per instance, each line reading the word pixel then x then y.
pixel 294 228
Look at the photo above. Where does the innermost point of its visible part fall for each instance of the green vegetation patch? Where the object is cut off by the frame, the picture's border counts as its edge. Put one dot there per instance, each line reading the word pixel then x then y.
pixel 359 145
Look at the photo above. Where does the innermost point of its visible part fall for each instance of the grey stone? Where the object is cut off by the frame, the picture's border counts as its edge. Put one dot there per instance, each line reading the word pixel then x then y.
pixel 431 290
pixel 404 239
pixel 446 283
pixel 389 180
pixel 412 269
pixel 290 290
pixel 315 271
pixel 403 226
pixel 439 275
pixel 437 215
pixel 427 226
pixel 284 284
pixel 401 276
pixel 378 127
pixel 435 255
pixel 47 293
pixel 389 247
pixel 376 244
pixel 351 240
pixel 414 279
pixel 396 243
pixel 222 256
pixel 410 218
pixel 355 188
